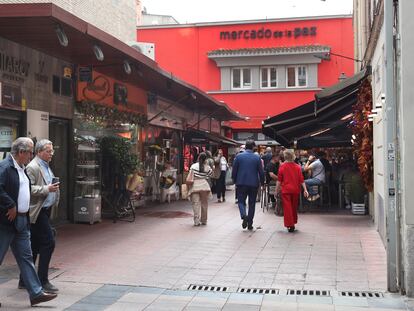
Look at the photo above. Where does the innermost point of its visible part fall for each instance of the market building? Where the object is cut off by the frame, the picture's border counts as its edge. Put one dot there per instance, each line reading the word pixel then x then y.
pixel 259 68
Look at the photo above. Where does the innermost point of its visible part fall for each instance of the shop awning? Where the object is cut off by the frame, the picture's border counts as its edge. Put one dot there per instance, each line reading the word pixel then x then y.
pixel 322 122
pixel 34 25
pixel 193 136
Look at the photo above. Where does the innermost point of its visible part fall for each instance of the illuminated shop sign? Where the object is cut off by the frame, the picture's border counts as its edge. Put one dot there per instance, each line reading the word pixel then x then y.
pixel 266 33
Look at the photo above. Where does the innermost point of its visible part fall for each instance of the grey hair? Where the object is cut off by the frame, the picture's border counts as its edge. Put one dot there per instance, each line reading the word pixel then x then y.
pixel 40 145
pixel 289 155
pixel 21 144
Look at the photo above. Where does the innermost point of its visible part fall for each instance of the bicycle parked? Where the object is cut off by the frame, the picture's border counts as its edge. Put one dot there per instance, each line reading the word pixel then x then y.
pixel 120 204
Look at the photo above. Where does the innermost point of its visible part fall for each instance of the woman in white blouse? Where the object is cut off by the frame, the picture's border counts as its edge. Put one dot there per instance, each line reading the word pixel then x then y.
pixel 200 191
pixel 220 166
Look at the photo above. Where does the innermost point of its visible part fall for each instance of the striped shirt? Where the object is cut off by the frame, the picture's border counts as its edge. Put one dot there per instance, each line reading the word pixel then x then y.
pixel 201 175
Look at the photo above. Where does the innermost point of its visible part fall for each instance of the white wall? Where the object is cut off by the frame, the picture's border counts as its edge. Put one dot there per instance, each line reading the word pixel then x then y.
pixel 378 87
pixel 116 17
pixel 406 126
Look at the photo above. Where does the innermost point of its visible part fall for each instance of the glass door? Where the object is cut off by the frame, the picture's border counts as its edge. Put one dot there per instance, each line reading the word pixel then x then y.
pixel 59 136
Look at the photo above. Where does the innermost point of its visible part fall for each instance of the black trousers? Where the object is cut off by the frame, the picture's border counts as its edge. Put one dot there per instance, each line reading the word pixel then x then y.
pixel 221 185
pixel 43 244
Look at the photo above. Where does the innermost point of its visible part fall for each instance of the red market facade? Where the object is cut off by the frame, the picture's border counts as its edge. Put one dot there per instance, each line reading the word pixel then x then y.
pixel 258 68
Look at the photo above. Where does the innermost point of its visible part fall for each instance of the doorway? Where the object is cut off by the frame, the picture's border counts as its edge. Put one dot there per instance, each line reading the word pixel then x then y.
pixel 59 135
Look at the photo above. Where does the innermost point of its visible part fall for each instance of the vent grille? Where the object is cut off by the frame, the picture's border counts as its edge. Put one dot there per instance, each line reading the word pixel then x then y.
pixel 208 288
pixel 308 292
pixel 361 294
pixel 267 291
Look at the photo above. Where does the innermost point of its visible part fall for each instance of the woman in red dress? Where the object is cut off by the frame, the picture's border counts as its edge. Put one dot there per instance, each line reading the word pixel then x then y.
pixel 289 181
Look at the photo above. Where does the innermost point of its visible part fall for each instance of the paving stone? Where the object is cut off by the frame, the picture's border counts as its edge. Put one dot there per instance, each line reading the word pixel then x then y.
pixel 154 260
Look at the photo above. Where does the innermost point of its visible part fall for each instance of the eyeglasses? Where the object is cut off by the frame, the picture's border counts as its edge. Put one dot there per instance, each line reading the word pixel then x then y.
pixel 50 151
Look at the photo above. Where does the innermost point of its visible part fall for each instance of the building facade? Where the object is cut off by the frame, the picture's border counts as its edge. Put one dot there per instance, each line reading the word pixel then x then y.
pixel 259 68
pixel 385 43
pixel 36 100
pixel 116 17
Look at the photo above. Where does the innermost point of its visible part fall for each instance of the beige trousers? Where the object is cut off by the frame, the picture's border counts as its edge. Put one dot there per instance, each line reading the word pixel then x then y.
pixel 200 205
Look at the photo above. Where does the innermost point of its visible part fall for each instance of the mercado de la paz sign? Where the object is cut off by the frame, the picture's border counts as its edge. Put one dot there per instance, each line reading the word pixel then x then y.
pixel 263 33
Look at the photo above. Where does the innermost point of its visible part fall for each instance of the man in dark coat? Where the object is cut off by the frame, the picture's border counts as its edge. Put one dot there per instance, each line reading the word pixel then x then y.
pixel 14 216
pixel 248 175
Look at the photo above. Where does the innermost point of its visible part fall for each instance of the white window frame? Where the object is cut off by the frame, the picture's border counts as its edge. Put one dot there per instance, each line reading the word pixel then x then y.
pixel 242 87
pixel 269 80
pixel 296 76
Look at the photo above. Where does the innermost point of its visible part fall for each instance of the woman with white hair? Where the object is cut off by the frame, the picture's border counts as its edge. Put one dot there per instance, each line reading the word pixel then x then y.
pixel 289 181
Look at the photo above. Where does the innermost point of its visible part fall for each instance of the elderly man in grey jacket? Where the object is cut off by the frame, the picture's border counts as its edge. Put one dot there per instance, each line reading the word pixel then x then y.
pixel 44 201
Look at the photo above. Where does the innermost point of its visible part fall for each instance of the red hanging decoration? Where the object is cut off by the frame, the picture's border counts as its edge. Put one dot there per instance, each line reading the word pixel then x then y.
pixel 363 131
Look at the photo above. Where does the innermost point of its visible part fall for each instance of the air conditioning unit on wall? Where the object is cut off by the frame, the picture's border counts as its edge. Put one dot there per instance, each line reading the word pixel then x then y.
pixel 146 48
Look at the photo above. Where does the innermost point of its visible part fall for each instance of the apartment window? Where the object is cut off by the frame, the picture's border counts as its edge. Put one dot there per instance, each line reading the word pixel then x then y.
pixel 296 76
pixel 241 78
pixel 268 77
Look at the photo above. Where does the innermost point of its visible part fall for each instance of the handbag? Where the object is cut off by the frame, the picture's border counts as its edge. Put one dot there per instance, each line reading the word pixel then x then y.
pixel 190 178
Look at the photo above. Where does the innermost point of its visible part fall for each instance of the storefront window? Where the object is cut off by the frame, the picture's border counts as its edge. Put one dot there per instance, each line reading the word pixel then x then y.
pixel 8 133
pixel 296 76
pixel 268 77
pixel 241 78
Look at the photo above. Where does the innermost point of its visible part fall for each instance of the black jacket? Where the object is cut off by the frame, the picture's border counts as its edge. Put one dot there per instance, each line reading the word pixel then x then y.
pixel 9 190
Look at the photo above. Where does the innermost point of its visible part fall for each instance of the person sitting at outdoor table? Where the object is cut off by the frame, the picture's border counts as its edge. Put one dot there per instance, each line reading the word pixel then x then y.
pixel 167 180
pixel 272 169
pixel 315 168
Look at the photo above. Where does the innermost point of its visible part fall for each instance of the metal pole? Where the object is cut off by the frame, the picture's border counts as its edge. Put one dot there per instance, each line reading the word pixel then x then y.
pixel 390 146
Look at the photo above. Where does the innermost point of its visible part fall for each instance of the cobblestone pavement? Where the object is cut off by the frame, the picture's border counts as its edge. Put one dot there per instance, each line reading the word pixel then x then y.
pixel 334 261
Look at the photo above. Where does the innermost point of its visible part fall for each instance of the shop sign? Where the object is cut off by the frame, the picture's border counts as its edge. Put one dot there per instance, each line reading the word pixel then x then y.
pixel 120 94
pixel 37 124
pixel 14 69
pixel 11 96
pixel 40 76
pixel 262 33
pixel 67 72
pixel 109 92
pixel 85 74
pixel 6 136
pixel 98 89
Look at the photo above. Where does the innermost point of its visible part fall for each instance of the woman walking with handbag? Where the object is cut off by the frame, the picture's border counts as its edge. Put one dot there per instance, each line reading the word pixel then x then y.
pixel 199 189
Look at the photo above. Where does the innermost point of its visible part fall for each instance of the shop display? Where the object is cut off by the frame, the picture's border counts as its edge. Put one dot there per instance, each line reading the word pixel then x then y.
pixel 87 202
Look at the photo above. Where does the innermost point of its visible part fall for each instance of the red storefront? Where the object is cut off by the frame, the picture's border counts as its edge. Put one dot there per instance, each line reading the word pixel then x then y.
pixel 258 68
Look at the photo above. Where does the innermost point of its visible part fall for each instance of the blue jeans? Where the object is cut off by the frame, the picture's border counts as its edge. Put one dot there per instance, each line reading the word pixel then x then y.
pixel 19 242
pixel 242 193
pixel 312 182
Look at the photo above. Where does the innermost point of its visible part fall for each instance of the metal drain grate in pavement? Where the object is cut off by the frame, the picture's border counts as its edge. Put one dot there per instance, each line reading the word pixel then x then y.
pixel 267 291
pixel 361 294
pixel 308 292
pixel 208 288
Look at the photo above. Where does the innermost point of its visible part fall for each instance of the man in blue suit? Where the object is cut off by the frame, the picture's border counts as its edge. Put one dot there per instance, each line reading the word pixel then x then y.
pixel 248 175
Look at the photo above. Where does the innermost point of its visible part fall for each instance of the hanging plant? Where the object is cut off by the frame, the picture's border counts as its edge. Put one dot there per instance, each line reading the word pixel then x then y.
pixel 109 116
pixel 363 131
pixel 118 152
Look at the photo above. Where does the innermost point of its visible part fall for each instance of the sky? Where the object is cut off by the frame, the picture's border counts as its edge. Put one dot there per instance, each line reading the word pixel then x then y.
pixel 195 11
